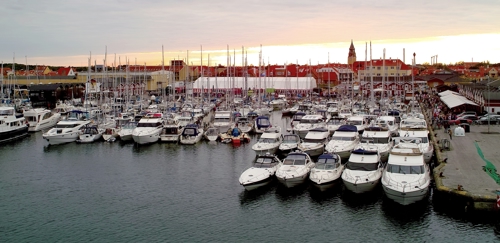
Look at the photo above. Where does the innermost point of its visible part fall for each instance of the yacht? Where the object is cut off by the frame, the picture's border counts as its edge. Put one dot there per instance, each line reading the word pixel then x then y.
pixel 406 178
pixel 268 142
pixel 307 123
pixel 333 123
pixel 261 173
pixel 12 126
pixel 278 104
pixel 358 121
pixel 148 129
pixel 245 125
pixel 296 118
pixel 41 119
pixel 327 171
pixel 262 123
pixel 90 134
pixel 125 133
pixel 191 134
pixel 294 169
pixel 67 131
pixel 222 120
pixel 379 137
pixel 418 135
pixel 289 144
pixel 332 108
pixel 171 131
pixel 315 141
pixel 343 141
pixel 212 134
pixel 389 123
pixel 363 169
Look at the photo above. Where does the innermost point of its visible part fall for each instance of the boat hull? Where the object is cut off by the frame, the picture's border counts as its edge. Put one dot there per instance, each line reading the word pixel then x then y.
pixel 45 124
pixel 145 139
pixel 257 184
pixel 293 181
pixel 14 134
pixel 405 198
pixel 62 138
pixel 360 187
pixel 169 138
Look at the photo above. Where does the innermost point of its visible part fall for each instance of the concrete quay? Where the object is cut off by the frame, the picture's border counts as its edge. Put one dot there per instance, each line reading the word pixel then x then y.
pixel 459 170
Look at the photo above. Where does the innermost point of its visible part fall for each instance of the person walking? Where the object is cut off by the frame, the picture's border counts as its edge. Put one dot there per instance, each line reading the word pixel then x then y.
pixel 449 132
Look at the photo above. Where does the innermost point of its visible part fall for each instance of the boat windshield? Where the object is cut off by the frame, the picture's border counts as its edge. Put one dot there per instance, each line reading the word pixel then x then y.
pixel 130 125
pixel 334 122
pixel 220 120
pixel 327 164
pixel 309 121
pixel 406 169
pixel 149 124
pixel 171 130
pixel 355 123
pixel 311 140
pixel 343 138
pixel 267 140
pixel 375 140
pixel 295 159
pixel 361 166
pixel 7 112
pixel 263 163
pixel 290 139
pixel 67 125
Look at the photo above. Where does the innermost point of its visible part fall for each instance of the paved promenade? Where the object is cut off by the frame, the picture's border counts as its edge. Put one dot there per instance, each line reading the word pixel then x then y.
pixel 465 166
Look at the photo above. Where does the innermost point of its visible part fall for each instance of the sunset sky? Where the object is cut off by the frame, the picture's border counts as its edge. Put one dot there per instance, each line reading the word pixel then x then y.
pixel 61 32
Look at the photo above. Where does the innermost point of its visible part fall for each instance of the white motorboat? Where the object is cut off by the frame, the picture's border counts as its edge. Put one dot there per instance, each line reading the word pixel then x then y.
pixel 294 169
pixel 111 133
pixel 261 173
pixel 212 134
pixel 418 135
pixel 289 144
pixel 343 141
pixel 222 120
pixel 315 141
pixel 171 131
pixel 148 129
pixel 269 141
pixel 332 108
pixel 278 104
pixel 12 126
pixel 262 123
pixel 389 123
pixel 191 134
pixel 379 137
pixel 406 178
pixel 245 125
pixel 307 123
pixel 296 118
pixel 67 131
pixel 125 133
pixel 333 123
pixel 327 171
pixel 90 134
pixel 345 112
pixel 41 119
pixel 359 121
pixel 363 169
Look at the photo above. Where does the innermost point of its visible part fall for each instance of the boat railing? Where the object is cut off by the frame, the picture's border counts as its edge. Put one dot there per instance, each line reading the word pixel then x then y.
pixel 405 185
pixel 373 175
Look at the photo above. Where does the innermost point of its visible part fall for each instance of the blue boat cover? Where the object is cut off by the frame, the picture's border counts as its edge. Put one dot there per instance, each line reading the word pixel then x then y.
pixel 263 122
pixel 347 128
pixel 328 156
pixel 365 152
pixel 393 113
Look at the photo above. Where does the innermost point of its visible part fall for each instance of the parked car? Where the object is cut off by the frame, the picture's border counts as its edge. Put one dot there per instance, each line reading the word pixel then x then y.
pixel 459 121
pixel 467 113
pixel 493 119
pixel 467 117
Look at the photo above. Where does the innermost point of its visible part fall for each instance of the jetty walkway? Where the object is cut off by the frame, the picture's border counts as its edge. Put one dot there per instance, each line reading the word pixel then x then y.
pixel 468 168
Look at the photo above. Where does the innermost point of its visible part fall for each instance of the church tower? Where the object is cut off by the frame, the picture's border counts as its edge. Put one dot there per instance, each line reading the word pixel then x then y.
pixel 352 54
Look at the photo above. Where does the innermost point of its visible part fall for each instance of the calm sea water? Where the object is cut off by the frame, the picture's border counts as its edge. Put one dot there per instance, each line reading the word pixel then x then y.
pixel 114 192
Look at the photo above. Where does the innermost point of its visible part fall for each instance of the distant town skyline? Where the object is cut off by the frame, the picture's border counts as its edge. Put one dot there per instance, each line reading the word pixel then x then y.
pixel 62 33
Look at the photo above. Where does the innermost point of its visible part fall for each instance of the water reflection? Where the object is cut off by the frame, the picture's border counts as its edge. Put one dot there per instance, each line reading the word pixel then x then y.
pixel 259 194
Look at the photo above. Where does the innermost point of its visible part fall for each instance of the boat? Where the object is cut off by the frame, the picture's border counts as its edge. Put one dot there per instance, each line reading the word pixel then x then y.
pixel 358 121
pixel 244 124
pixel 379 137
pixel 90 134
pixel 418 135
pixel 234 135
pixel 289 144
pixel 125 133
pixel 262 123
pixel 295 169
pixel 327 171
pixel 296 118
pixel 212 134
pixel 12 126
pixel 307 123
pixel 111 133
pixel 279 103
pixel 363 169
pixel 261 173
pixel 222 120
pixel 406 178
pixel 67 131
pixel 40 119
pixel 171 131
pixel 343 141
pixel 388 122
pixel 269 141
pixel 191 134
pixel 333 123
pixel 315 141
pixel 148 129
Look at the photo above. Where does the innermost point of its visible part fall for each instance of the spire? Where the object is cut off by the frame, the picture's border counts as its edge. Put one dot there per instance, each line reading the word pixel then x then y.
pixel 352 46
pixel 351 57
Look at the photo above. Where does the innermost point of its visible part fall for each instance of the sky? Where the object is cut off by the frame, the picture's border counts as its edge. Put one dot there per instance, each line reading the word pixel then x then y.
pixel 69 33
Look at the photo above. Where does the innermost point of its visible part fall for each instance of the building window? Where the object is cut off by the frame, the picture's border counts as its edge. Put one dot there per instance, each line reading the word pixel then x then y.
pixel 392 67
pixel 378 68
pixel 392 74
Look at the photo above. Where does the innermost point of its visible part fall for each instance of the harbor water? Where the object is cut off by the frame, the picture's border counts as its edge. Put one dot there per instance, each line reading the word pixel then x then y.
pixel 116 192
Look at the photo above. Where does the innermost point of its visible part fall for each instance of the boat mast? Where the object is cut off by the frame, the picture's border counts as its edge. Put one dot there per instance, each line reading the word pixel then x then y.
pixel 371 74
pixel 201 70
